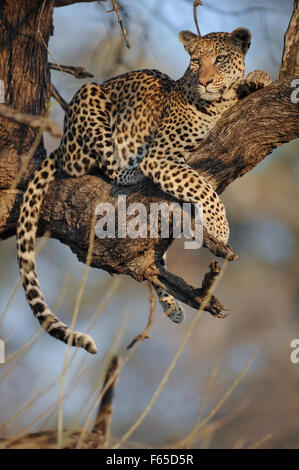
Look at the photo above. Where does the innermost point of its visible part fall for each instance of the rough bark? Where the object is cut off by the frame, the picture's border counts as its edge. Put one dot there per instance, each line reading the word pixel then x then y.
pixel 289 64
pixel 25 28
pixel 247 133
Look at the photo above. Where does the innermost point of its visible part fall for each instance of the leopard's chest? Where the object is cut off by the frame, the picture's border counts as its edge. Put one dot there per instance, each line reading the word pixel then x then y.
pixel 185 127
pixel 177 129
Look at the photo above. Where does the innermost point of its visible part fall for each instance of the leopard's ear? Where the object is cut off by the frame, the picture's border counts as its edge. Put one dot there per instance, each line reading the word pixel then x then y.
pixel 189 40
pixel 241 38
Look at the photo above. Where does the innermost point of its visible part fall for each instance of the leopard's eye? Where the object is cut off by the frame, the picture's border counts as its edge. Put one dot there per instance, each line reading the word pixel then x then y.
pixel 221 58
pixel 195 61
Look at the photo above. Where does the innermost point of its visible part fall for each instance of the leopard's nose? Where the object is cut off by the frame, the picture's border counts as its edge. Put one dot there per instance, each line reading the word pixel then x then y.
pixel 205 82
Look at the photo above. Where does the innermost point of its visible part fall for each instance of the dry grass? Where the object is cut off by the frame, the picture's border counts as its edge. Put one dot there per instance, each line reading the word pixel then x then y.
pixel 82 438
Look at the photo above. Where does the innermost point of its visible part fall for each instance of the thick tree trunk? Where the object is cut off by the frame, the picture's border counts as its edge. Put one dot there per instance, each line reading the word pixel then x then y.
pixel 25 28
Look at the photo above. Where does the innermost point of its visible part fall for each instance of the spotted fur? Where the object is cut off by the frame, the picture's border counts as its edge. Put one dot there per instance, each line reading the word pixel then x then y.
pixel 141 124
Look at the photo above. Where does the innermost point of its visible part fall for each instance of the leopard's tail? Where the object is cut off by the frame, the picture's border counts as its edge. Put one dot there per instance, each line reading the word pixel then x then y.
pixel 26 232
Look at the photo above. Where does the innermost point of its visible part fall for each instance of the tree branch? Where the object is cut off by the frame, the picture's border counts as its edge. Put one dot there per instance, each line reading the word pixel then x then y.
pixel 77 72
pixel 57 96
pixel 247 133
pixel 120 22
pixel 145 333
pixel 36 122
pixel 194 297
pixel 289 64
pixel 65 3
pixel 103 420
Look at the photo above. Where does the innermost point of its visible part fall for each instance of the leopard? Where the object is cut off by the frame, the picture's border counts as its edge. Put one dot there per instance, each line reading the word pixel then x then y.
pixel 137 125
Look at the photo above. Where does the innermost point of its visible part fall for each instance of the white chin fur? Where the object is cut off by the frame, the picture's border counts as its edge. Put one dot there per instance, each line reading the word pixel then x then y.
pixel 205 95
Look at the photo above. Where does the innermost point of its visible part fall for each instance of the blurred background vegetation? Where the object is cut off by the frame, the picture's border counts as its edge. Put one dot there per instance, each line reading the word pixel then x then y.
pixel 260 289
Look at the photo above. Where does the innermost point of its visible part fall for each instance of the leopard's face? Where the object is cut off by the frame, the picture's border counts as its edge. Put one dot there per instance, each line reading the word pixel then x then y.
pixel 216 61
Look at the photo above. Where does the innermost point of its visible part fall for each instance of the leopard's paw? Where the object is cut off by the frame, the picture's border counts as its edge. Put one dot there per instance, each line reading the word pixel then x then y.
pixel 171 306
pixel 258 79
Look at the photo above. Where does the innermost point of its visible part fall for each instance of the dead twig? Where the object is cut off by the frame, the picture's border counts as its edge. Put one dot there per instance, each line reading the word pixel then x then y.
pixel 57 96
pixel 65 3
pixel 144 334
pixel 36 122
pixel 194 297
pixel 120 21
pixel 195 5
pixel 77 72
pixel 102 423
pixel 41 36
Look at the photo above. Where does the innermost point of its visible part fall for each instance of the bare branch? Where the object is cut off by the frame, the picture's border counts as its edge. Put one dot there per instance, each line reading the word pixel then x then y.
pixel 57 96
pixel 120 21
pixel 65 3
pixel 78 72
pixel 194 297
pixel 30 120
pixel 103 421
pixel 144 334
pixel 195 5
pixel 289 64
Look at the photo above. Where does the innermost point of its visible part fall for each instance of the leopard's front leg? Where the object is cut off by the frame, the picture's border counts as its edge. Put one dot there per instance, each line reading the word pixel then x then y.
pixel 258 79
pixel 178 179
pixel 129 177
pixel 254 81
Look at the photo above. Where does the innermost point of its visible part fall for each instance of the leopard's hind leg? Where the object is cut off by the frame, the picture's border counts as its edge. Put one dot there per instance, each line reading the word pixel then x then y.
pixel 170 305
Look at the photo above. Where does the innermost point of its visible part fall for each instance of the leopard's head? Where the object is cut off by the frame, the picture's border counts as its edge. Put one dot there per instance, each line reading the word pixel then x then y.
pixel 216 60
